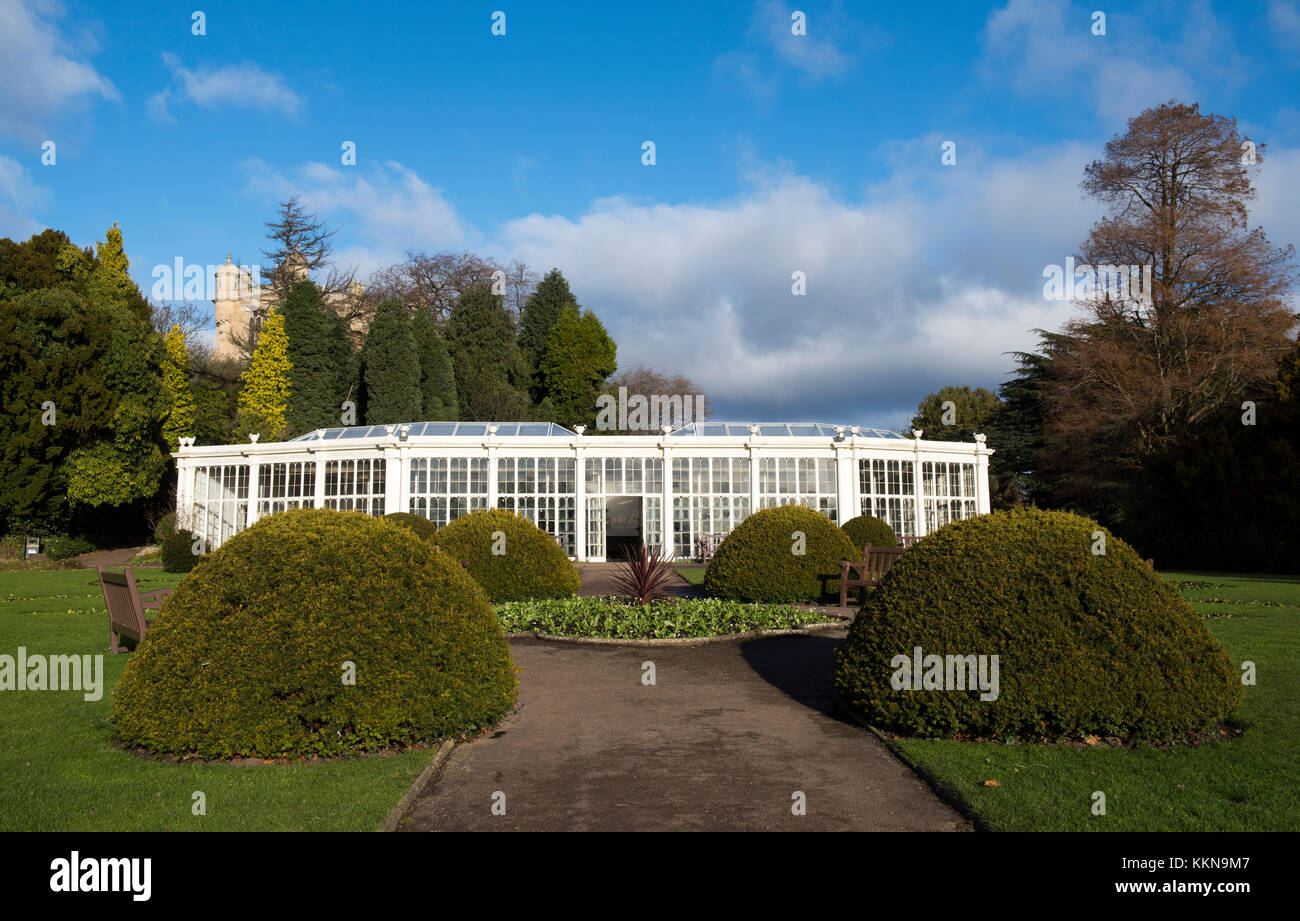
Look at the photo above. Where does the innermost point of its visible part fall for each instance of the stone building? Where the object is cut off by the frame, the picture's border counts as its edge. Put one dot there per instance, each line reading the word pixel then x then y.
pixel 242 303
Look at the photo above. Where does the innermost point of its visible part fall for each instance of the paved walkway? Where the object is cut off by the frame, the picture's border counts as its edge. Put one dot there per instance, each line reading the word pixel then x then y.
pixel 114 558
pixel 598 581
pixel 723 740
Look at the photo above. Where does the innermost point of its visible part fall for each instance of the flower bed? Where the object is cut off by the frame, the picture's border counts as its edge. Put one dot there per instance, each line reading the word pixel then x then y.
pixel 616 618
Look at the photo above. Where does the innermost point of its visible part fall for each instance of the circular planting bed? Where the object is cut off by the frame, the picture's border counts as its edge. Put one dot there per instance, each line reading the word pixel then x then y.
pixel 685 620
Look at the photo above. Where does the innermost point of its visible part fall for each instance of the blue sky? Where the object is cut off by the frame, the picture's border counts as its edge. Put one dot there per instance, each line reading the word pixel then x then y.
pixel 775 153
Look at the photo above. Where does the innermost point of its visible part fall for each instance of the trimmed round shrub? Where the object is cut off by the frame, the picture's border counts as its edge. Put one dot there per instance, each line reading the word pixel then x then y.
pixel 866 529
pixel 251 655
pixel 1087 643
pixel 165 528
pixel 178 552
pixel 512 558
pixel 422 526
pixel 760 560
pixel 65 548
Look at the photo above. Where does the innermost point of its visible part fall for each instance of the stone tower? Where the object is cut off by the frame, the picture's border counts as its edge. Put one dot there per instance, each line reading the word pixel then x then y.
pixel 242 303
pixel 237 297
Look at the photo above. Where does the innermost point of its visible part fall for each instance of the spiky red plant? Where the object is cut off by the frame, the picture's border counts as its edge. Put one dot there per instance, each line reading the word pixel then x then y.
pixel 644 575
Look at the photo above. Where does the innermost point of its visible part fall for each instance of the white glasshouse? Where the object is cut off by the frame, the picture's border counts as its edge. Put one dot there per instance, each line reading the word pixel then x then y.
pixel 594 494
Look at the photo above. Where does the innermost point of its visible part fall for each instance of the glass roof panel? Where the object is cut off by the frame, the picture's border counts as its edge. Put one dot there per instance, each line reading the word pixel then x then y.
pixel 776 430
pixel 443 430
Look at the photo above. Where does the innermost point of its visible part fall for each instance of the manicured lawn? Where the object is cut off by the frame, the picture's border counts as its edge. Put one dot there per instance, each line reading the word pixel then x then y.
pixel 692 574
pixel 1246 783
pixel 61 771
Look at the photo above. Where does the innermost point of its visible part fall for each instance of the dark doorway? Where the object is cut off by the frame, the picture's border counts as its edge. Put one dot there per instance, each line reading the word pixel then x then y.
pixel 622 526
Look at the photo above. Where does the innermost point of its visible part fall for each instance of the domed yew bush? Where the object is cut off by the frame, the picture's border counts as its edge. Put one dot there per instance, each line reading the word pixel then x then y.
pixel 422 526
pixel 760 560
pixel 255 651
pixel 866 529
pixel 178 552
pixel 512 558
pixel 1086 643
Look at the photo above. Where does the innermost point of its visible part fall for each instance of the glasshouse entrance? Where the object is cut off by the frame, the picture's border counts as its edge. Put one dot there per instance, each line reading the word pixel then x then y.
pixel 622 526
pixel 594 495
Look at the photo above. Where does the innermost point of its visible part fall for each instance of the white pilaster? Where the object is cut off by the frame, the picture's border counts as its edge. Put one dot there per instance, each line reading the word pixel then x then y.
pixel 918 486
pixel 579 499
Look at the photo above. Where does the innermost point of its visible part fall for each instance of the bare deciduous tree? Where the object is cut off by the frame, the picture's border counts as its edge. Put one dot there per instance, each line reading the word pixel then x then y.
pixel 1138 364
pixel 648 382
pixel 431 282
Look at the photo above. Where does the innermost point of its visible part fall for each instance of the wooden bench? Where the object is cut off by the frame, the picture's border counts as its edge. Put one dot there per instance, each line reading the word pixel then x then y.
pixel 707 544
pixel 875 562
pixel 126 606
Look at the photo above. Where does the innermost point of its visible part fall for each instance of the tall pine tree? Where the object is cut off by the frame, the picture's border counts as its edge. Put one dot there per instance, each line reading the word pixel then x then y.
pixel 319 351
pixel 485 357
pixel 181 409
pixel 110 280
pixel 541 313
pixel 437 379
pixel 390 368
pixel 579 356
pixel 264 399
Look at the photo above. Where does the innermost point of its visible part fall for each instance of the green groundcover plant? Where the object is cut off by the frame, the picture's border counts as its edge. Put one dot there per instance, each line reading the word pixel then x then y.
pixel 316 632
pixel 1089 639
pixel 620 618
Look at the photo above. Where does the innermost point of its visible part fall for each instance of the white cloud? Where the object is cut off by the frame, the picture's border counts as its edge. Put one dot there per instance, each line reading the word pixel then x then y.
pixel 1284 23
pixel 19 198
pixel 829 48
pixel 814 53
pixel 386 205
pixel 905 294
pixel 39 73
pixel 243 85
pixel 1040 47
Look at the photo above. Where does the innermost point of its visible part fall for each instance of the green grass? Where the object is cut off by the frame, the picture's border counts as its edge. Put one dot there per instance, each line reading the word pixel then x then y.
pixel 692 574
pixel 1246 783
pixel 61 770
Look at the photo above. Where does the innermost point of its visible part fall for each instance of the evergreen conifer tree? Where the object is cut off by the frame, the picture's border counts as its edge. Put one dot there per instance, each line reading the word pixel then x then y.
pixel 181 408
pixel 390 368
pixel 264 399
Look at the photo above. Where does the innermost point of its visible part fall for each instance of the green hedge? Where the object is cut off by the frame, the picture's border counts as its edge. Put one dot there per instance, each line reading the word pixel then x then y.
pixel 248 656
pixel 530 565
pixel 866 529
pixel 178 552
pixel 758 561
pixel 65 548
pixel 422 526
pixel 1087 643
pixel 165 528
